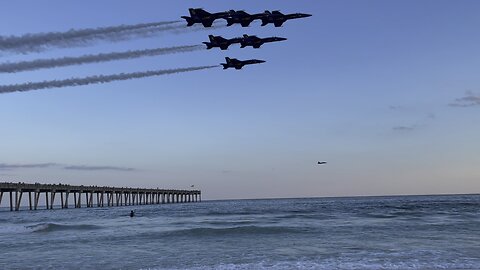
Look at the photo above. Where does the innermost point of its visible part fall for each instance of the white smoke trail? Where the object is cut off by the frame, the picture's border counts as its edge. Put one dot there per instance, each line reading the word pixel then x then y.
pixel 41 41
pixel 92 58
pixel 93 79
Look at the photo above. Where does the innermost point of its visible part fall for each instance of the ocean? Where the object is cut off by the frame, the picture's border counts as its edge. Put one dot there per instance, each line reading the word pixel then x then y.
pixel 398 232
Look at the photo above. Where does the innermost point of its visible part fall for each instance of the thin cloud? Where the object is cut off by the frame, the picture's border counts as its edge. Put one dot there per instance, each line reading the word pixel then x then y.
pixel 6 166
pixel 405 128
pixel 396 107
pixel 469 100
pixel 428 118
pixel 97 168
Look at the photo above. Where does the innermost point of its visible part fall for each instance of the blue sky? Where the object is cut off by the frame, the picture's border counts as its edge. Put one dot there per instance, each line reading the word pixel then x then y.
pixel 366 85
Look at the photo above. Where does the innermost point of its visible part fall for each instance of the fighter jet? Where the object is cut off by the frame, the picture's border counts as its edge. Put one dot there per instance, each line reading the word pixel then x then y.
pixel 322 162
pixel 256 42
pixel 243 18
pixel 238 64
pixel 222 43
pixel 277 18
pixel 198 15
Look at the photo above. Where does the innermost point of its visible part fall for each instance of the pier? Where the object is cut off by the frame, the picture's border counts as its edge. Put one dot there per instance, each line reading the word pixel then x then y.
pixel 94 196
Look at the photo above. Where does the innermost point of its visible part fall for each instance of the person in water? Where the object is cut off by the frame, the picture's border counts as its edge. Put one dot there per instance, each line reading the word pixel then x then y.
pixel 132 214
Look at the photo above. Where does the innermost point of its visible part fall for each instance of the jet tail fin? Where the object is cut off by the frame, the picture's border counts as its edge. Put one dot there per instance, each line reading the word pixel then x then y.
pixel 228 60
pixel 189 20
pixel 209 45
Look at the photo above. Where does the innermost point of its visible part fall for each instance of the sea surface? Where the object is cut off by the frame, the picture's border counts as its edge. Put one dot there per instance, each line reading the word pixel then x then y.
pixel 402 232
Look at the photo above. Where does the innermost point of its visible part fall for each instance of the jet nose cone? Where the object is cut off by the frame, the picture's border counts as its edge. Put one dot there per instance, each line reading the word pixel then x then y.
pixel 303 15
pixel 281 39
pixel 261 61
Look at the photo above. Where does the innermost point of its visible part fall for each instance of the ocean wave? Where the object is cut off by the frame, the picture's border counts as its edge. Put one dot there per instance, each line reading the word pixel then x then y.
pixel 52 227
pixel 45 227
pixel 361 264
pixel 239 230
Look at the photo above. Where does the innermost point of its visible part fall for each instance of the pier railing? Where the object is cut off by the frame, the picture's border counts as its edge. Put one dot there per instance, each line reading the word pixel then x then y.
pixel 94 195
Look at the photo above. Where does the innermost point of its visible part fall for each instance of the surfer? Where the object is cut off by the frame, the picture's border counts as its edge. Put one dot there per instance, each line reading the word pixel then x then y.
pixel 132 214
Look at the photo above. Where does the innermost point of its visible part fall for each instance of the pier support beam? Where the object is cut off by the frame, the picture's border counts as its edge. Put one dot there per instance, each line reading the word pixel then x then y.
pixel 65 204
pixel 30 199
pixel 11 201
pixel 87 200
pixel 46 200
pixel 36 196
pixel 79 203
pixel 18 199
pixel 52 197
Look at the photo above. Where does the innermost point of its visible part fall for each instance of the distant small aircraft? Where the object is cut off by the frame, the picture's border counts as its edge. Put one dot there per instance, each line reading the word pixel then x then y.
pixel 238 64
pixel 321 162
pixel 192 186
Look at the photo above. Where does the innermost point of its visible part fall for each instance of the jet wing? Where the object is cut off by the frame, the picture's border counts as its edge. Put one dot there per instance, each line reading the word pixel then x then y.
pixel 278 23
pixel 207 23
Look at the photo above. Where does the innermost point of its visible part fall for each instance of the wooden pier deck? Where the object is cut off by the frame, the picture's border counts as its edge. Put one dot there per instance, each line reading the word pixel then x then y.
pixel 93 195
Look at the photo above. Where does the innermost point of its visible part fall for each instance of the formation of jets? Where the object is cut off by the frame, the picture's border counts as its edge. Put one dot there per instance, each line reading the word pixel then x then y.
pixel 199 15
pixel 245 41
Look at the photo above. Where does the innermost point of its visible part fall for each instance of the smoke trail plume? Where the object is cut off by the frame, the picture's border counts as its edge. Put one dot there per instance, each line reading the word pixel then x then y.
pixel 93 79
pixel 41 41
pixel 92 58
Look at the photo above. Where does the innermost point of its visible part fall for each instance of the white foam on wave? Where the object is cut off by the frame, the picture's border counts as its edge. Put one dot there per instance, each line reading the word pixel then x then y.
pixel 39 227
pixel 331 264
pixel 9 229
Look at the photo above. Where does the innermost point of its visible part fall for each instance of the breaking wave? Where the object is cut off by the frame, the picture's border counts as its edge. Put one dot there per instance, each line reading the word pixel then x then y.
pixel 231 231
pixel 45 227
